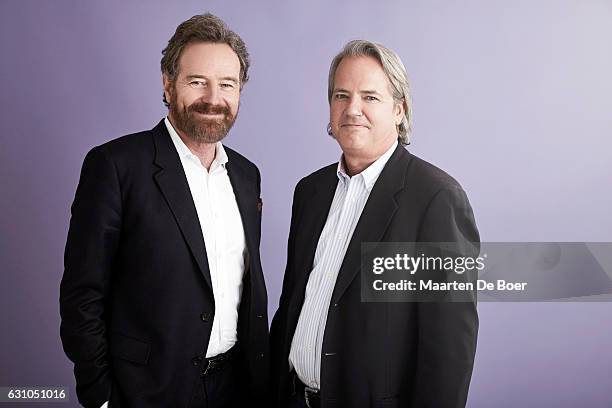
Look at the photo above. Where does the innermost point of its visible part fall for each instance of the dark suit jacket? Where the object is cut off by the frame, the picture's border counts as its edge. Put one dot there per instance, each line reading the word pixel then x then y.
pixel 136 299
pixel 381 354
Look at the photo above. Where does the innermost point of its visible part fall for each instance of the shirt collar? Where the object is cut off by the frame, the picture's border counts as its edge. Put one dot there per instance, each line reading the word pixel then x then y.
pixel 371 173
pixel 184 152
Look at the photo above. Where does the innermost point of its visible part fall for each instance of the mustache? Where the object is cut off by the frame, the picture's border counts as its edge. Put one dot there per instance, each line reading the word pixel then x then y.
pixel 208 108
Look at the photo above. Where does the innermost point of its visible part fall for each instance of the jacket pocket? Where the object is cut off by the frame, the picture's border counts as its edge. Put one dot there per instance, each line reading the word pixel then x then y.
pixel 129 348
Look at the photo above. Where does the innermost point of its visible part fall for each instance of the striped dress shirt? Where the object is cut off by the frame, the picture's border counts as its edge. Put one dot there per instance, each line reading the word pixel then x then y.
pixel 349 200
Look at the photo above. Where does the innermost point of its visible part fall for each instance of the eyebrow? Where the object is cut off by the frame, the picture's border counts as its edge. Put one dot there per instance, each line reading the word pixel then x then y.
pixel 231 79
pixel 227 78
pixel 364 92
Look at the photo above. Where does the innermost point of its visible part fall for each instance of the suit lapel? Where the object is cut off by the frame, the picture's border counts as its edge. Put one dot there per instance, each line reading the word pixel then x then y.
pixel 316 207
pixel 375 217
pixel 246 198
pixel 172 182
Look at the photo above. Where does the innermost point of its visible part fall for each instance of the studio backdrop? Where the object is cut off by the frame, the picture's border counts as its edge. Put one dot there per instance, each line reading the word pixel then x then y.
pixel 511 98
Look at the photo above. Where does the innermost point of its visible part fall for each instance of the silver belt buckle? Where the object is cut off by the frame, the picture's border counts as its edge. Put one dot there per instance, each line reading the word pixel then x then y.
pixel 208 366
pixel 308 390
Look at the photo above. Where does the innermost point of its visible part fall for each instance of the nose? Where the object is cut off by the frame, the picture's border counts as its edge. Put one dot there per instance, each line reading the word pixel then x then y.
pixel 354 107
pixel 211 95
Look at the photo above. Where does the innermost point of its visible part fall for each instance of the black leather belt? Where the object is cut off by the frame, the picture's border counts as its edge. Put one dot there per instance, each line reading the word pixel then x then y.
pixel 214 364
pixel 311 397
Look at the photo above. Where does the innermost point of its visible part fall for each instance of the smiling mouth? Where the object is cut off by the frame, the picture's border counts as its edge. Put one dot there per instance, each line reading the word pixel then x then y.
pixel 354 126
pixel 211 114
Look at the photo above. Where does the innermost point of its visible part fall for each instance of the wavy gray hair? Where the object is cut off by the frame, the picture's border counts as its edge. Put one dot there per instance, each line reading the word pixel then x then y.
pixel 394 70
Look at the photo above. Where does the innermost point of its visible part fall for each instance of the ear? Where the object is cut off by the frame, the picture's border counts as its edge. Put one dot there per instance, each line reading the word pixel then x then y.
pixel 168 86
pixel 398 111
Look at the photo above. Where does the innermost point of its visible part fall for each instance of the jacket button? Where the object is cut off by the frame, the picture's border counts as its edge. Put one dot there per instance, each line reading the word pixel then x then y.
pixel 195 361
pixel 259 316
pixel 205 317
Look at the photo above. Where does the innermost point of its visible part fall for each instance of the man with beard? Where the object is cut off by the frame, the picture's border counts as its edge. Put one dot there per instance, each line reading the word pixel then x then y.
pixel 163 301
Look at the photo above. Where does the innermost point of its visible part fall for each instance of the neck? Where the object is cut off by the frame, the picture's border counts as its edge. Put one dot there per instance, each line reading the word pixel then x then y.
pixel 203 151
pixel 358 160
pixel 355 165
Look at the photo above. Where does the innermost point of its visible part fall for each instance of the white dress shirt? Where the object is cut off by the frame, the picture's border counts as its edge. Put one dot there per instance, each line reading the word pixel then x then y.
pixel 349 200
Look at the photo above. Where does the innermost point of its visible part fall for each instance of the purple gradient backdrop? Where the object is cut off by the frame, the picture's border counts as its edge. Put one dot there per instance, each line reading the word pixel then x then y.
pixel 513 99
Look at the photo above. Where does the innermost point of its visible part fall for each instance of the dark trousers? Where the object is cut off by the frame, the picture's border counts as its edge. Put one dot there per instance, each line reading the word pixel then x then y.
pixel 297 401
pixel 223 388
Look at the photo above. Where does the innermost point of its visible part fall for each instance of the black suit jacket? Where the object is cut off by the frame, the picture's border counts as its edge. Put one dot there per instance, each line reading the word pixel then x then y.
pixel 381 354
pixel 136 299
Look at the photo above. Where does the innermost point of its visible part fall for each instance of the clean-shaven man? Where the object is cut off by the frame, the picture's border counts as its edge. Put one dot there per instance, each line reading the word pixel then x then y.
pixel 163 301
pixel 330 349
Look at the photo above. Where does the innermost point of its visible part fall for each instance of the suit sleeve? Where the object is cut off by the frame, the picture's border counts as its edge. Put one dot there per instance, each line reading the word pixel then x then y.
pixel 447 330
pixel 278 326
pixel 91 246
pixel 258 182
